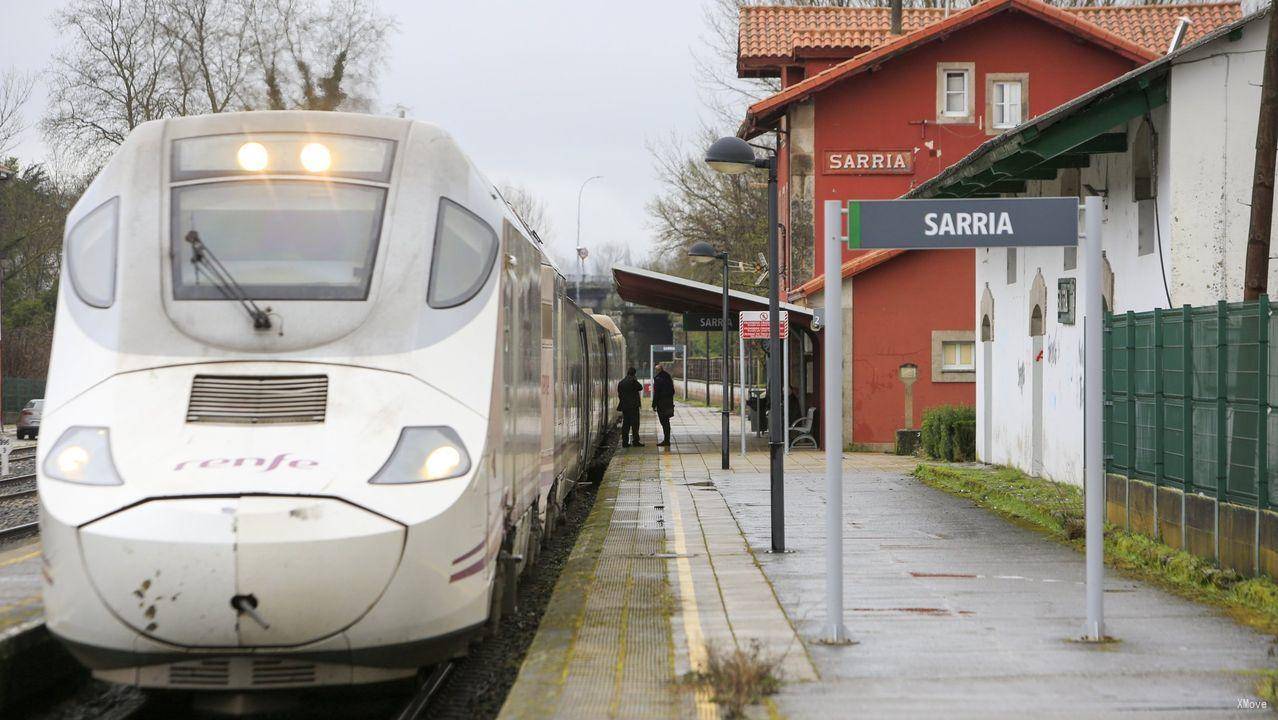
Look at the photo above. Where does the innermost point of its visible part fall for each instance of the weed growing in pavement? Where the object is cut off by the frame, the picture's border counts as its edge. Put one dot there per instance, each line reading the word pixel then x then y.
pixel 1057 510
pixel 737 678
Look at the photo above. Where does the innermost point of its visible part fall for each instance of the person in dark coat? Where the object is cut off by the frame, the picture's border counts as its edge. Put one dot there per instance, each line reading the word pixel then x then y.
pixel 663 402
pixel 628 403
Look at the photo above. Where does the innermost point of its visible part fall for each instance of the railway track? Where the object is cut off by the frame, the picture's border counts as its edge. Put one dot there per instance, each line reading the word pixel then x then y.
pixel 417 708
pixel 22 453
pixel 15 532
pixel 17 480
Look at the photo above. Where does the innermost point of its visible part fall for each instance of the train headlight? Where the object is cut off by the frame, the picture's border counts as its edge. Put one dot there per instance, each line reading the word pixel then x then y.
pixel 315 157
pixel 82 455
pixel 424 454
pixel 253 156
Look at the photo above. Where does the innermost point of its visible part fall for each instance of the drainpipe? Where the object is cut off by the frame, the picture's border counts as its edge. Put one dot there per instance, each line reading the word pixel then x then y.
pixel 896 17
pixel 1256 274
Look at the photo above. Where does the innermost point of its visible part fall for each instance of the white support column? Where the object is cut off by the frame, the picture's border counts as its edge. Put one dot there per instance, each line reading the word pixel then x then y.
pixel 832 422
pixel 744 427
pixel 1093 461
pixel 785 373
pixel 685 374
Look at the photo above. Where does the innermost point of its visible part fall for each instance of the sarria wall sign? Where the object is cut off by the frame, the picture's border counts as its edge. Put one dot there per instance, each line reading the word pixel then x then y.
pixel 868 162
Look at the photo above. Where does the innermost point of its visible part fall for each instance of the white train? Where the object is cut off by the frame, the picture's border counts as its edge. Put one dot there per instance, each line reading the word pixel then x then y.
pixel 315 400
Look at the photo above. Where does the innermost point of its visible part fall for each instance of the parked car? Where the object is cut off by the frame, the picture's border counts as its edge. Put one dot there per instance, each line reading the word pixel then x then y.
pixel 29 419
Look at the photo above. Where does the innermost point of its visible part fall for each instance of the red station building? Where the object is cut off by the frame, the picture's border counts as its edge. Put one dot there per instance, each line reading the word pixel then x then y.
pixel 864 113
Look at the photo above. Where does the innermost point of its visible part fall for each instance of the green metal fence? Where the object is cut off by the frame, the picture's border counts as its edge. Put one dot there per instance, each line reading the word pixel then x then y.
pixel 1188 395
pixel 18 392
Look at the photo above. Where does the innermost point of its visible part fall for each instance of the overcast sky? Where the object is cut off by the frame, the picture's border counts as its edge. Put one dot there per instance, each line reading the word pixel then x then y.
pixel 541 94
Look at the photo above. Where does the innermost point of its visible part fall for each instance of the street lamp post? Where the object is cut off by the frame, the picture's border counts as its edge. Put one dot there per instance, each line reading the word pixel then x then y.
pixel 732 155
pixel 702 251
pixel 581 251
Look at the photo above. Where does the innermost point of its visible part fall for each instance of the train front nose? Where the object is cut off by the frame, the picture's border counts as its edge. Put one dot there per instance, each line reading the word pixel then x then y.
pixel 247 571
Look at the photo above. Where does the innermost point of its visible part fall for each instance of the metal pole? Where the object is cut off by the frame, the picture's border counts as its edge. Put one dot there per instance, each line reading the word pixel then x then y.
pixel 1092 425
pixel 685 369
pixel 741 340
pixel 786 427
pixel 832 423
pixel 775 391
pixel 726 408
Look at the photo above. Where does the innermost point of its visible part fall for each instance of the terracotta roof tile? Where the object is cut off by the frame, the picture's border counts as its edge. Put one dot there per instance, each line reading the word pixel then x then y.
pixel 772 32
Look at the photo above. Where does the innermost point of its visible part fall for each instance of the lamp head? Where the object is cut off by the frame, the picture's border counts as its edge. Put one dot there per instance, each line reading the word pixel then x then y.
pixel 703 252
pixel 731 155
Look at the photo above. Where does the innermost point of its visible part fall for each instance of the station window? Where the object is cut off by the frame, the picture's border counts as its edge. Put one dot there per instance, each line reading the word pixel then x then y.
pixel 954 92
pixel 1006 101
pixel 953 356
pixel 957 356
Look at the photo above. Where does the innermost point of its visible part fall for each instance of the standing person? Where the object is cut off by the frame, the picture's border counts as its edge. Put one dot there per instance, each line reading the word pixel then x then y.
pixel 629 404
pixel 663 402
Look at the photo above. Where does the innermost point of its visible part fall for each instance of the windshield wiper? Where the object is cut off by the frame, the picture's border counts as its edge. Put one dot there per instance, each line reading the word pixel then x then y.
pixel 222 280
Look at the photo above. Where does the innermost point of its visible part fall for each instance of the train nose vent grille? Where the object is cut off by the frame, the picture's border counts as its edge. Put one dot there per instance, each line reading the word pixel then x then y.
pixel 201 673
pixel 261 400
pixel 242 672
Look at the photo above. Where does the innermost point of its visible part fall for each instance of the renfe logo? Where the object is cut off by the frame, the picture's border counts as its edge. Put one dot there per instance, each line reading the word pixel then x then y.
pixel 215 463
pixel 968 223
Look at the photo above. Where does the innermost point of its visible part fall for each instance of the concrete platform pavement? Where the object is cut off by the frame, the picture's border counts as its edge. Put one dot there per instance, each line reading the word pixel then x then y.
pixel 19 584
pixel 955 612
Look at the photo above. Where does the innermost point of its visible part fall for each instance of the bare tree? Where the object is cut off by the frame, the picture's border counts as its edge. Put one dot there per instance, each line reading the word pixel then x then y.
pixel 213 58
pixel 130 61
pixel 530 208
pixel 603 257
pixel 115 74
pixel 296 39
pixel 15 90
pixel 697 203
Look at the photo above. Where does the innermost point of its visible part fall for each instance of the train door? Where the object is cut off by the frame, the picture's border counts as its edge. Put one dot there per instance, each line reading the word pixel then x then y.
pixel 546 453
pixel 605 378
pixel 584 393
pixel 509 442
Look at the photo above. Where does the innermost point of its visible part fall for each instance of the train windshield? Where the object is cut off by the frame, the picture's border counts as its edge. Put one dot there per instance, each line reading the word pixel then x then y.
pixel 279 239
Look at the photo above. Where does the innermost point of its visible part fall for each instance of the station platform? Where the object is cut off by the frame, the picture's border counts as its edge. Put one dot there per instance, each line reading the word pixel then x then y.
pixel 19 584
pixel 953 611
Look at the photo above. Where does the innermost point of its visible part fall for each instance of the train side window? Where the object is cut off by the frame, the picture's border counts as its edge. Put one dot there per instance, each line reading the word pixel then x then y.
pixel 465 247
pixel 90 252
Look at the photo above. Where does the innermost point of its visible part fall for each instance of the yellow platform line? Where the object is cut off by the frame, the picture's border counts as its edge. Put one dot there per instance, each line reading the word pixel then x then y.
pixel 691 616
pixel 20 558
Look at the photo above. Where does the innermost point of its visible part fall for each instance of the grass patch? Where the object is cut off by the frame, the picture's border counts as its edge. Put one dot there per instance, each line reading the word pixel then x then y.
pixel 1056 509
pixel 1267 688
pixel 738 678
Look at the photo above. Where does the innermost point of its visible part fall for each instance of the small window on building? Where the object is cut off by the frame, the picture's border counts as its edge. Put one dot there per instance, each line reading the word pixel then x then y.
pixel 1006 101
pixel 1007 105
pixel 957 356
pixel 1011 266
pixel 1071 257
pixel 954 92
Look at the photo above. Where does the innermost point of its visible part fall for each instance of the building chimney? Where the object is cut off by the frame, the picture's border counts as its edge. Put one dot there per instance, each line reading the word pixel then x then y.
pixel 896 17
pixel 1178 37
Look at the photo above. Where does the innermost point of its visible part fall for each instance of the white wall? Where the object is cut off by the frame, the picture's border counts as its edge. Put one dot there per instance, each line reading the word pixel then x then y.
pixel 1215 102
pixel 1138 286
pixel 1204 163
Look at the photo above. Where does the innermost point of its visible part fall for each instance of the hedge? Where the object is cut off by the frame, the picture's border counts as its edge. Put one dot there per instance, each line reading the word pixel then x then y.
pixel 949 433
